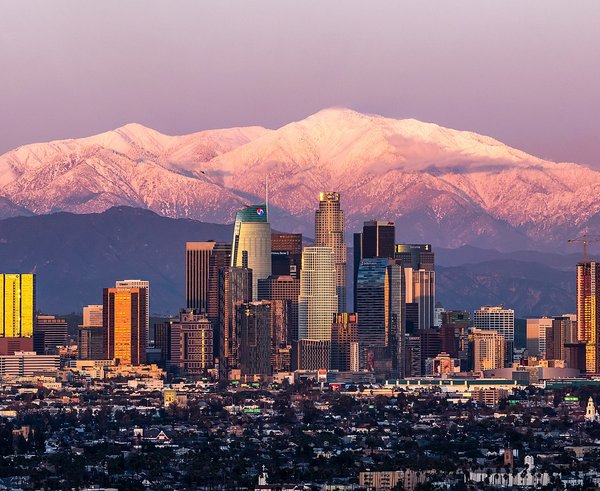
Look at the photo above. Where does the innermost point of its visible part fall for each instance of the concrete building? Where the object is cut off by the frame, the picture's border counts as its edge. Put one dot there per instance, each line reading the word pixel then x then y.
pixel 49 333
pixel 501 320
pixel 487 347
pixel 28 363
pixel 536 335
pixel 191 344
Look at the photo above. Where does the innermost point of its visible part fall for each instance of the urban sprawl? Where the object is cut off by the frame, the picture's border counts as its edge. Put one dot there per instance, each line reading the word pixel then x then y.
pixel 266 379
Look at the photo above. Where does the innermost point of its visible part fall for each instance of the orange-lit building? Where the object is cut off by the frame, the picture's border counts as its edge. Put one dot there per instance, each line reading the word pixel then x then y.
pixel 124 325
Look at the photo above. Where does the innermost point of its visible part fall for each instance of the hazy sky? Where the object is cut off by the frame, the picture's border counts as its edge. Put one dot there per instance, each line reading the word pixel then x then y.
pixel 525 72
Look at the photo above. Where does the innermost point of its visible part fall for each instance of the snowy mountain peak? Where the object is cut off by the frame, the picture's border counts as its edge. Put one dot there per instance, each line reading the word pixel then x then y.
pixel 441 185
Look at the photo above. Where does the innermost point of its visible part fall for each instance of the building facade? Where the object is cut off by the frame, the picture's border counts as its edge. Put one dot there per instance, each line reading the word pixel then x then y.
pixel 252 234
pixel 329 232
pixel 191 344
pixel 344 342
pixel 124 325
pixel 588 309
pixel 500 320
pixel 17 305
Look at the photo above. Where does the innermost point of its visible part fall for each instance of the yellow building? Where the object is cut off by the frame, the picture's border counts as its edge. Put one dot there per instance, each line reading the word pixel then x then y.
pixel 17 305
pixel 125 325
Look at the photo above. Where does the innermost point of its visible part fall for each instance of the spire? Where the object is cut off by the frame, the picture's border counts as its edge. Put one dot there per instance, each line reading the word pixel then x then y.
pixel 267 195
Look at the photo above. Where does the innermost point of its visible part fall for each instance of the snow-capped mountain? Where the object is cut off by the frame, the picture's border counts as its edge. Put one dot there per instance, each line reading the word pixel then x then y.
pixel 440 185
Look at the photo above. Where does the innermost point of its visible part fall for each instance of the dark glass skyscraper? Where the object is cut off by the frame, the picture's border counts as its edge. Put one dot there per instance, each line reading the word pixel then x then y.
pixel 381 307
pixel 286 254
pixel 376 240
pixel 255 323
pixel 235 288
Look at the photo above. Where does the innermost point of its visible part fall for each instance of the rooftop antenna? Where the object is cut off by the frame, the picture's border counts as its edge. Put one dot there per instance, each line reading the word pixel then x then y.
pixel 267 195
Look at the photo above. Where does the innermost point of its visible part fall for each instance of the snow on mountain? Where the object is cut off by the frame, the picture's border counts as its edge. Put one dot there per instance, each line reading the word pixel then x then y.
pixel 445 186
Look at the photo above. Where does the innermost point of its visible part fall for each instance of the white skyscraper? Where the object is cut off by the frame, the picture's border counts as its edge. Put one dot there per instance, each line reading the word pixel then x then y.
pixel 139 284
pixel 501 320
pixel 329 232
pixel 252 234
pixel 318 300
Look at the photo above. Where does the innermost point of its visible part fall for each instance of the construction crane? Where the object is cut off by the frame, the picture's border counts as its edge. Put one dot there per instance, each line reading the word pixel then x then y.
pixel 585 239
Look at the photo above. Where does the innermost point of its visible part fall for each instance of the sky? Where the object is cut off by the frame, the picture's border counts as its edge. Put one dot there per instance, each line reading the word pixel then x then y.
pixel 526 73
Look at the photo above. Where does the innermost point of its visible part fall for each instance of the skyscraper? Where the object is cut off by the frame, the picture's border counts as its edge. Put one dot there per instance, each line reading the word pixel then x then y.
pixel 17 305
pixel 536 335
pixel 556 338
pixel 416 256
pixel 588 309
pixel 90 335
pixel 420 291
pixel 139 284
pixel 317 303
pixel 124 322
pixel 283 288
pixel 329 232
pixel 380 299
pixel 344 342
pixel 252 233
pixel 487 349
pixel 318 299
pixel 235 288
pixel 255 323
pixel 202 263
pixel 191 344
pixel 500 320
pixel 286 254
pixel 376 240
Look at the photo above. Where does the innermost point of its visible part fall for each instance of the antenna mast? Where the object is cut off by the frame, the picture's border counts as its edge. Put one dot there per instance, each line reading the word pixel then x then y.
pixel 267 195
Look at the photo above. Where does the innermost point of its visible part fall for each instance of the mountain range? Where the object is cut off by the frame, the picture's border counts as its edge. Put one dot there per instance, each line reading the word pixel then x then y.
pixel 447 187
pixel 76 255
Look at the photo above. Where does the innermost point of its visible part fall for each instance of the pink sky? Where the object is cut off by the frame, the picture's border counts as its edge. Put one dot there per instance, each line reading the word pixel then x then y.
pixel 527 73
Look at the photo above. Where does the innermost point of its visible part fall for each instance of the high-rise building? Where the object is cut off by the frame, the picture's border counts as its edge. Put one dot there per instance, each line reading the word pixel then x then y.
pixel 255 320
pixel 90 343
pixel 380 301
pixel 191 344
pixel 162 340
pixel 90 335
pixel 487 349
pixel 420 291
pixel 454 333
pixel 317 302
pixel 501 320
pixel 285 288
pixel 329 232
pixel 202 263
pixel 124 325
pixel 286 254
pixel 412 367
pixel 344 342
pixel 556 338
pixel 376 240
pixel 431 345
pixel 17 305
pixel 139 284
pixel 536 335
pixel 588 310
pixel 252 234
pixel 416 256
pixel 235 288
pixel 49 333
pixel 92 316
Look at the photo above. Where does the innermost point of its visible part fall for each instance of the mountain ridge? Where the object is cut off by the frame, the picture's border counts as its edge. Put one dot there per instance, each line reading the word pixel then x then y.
pixel 443 186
